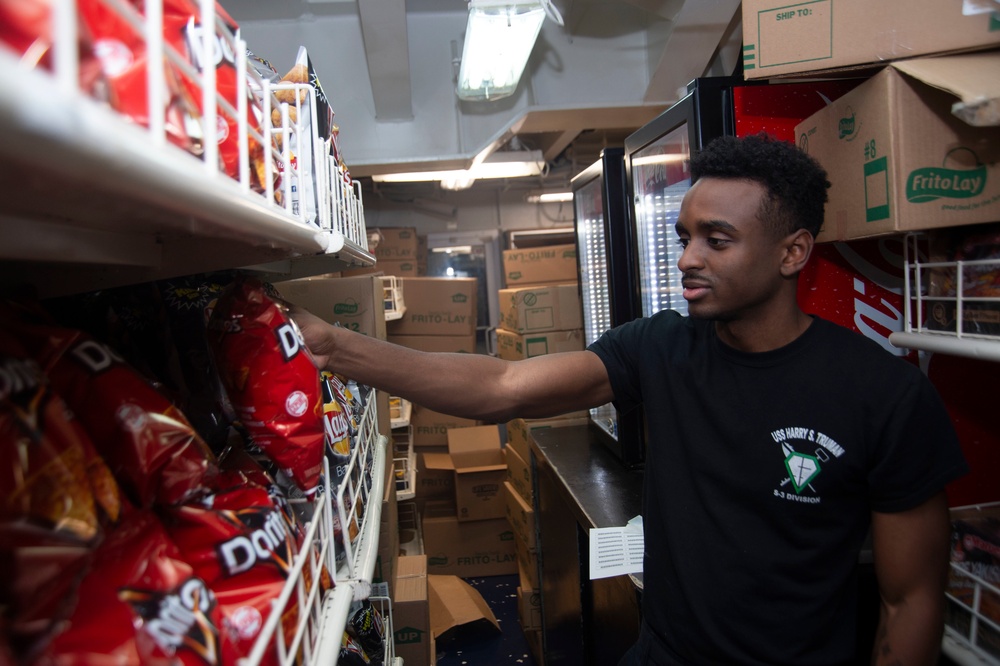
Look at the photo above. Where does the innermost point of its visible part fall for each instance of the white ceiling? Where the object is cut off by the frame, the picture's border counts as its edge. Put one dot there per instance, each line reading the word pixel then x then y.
pixel 389 66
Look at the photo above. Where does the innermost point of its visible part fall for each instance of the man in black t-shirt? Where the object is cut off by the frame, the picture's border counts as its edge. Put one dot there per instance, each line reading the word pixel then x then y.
pixel 776 440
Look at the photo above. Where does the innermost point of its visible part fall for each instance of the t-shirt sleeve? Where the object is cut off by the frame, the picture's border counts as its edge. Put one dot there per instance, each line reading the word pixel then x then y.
pixel 618 348
pixel 919 452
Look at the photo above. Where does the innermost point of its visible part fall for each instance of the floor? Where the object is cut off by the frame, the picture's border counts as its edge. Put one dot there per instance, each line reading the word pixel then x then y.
pixel 485 646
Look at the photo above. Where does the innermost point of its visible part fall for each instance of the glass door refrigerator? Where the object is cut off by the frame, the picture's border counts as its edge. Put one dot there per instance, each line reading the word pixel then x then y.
pixel 657 166
pixel 605 255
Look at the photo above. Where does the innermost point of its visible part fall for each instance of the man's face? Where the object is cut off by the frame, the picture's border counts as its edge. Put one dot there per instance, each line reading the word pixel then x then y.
pixel 730 261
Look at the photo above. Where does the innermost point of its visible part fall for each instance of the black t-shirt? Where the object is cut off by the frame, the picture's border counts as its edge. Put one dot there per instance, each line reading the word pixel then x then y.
pixel 761 473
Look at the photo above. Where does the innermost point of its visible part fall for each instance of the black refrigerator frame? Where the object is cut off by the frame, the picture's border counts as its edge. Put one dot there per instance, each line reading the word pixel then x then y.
pixel 608 174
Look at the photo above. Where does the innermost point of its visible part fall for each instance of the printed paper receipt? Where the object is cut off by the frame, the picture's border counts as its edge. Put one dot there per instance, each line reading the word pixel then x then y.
pixel 616 551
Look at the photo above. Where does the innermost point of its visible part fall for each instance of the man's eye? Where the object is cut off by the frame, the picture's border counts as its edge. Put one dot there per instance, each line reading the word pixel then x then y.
pixel 683 242
pixel 717 242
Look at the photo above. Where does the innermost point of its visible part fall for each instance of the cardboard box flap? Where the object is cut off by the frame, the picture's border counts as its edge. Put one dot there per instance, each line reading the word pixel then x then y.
pixel 454 603
pixel 475 446
pixel 438 461
pixel 973 77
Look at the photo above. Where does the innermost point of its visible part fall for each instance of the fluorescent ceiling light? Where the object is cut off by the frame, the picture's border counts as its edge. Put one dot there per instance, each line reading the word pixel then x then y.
pixel 512 164
pixel 498 40
pixel 550 197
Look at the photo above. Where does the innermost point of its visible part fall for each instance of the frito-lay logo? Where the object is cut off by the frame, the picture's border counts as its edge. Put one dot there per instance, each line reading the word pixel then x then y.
pixel 931 183
pixel 347 307
pixel 437 561
pixel 96 357
pixel 507 536
pixel 288 340
pixel 407 635
pixel 485 488
pixel 846 127
pixel 267 542
pixel 178 620
pixel 459 298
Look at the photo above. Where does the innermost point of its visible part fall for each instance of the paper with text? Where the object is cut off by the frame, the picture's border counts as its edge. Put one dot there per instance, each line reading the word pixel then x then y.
pixel 616 551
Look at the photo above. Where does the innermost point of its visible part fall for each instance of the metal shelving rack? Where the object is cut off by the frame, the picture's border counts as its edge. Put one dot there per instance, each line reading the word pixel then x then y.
pixel 108 202
pixel 395 307
pixel 322 618
pixel 918 333
pixel 404 457
pixel 92 200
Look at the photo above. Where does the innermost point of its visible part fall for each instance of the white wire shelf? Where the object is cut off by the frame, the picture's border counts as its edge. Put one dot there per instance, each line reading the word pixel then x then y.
pixel 108 202
pixel 395 307
pixel 953 322
pixel 972 624
pixel 322 617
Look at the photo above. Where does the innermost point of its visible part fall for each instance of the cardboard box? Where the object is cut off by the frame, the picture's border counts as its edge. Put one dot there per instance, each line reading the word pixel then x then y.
pixel 454 603
pixel 513 346
pixel 353 302
pixel 519 431
pixel 434 483
pixel 540 265
pixel 782 37
pixel 529 608
pixel 438 306
pixel 466 548
pixel 519 474
pixel 527 564
pixel 412 635
pixel 541 308
pixel 396 244
pixel 896 156
pixel 480 468
pixel 534 639
pixel 463 344
pixel 431 428
pixel 403 269
pixel 387 559
pixel 521 516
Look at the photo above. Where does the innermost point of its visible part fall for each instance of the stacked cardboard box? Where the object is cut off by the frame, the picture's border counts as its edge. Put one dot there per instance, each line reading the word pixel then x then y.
pixel 467 533
pixel 397 252
pixel 901 154
pixel 539 319
pixel 539 265
pixel 440 316
pixel 356 303
pixel 782 37
pixel 412 635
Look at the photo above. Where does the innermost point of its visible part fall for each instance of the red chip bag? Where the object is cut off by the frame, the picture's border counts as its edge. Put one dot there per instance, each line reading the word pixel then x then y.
pixel 56 493
pixel 139 603
pixel 239 544
pixel 121 50
pixel 153 451
pixel 26 27
pixel 271 380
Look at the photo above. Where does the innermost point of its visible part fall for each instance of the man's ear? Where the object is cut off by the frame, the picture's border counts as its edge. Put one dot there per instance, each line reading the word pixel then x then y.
pixel 797 248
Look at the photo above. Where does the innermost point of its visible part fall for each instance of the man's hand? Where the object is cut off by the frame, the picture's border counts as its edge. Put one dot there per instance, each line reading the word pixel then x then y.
pixel 316 333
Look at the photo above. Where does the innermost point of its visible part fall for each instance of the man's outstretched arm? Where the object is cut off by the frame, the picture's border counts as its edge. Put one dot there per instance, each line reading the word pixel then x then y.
pixel 468 385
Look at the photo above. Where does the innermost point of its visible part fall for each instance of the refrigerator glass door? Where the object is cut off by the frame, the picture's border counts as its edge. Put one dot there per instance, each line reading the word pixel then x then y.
pixel 660 176
pixel 588 201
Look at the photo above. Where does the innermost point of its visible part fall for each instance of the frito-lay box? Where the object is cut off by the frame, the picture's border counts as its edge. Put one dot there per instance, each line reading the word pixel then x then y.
pixel 782 37
pixel 899 158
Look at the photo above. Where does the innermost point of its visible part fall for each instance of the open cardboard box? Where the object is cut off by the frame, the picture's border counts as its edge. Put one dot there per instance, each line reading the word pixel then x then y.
pixel 915 147
pixel 480 468
pixel 454 604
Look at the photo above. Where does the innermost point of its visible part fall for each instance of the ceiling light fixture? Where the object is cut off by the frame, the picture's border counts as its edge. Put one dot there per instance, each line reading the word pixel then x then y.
pixel 499 38
pixel 510 164
pixel 561 196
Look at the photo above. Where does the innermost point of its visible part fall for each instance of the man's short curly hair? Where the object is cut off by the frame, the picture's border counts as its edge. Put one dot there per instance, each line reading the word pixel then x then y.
pixel 796 184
